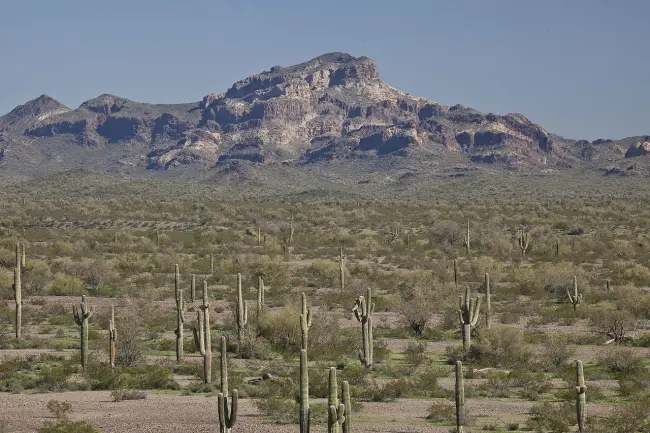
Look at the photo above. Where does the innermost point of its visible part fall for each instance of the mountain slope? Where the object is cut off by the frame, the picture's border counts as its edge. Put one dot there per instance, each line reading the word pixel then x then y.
pixel 333 107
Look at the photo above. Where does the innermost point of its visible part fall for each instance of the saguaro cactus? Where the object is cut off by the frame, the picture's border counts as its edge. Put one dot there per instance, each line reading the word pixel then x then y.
pixel 523 241
pixel 259 236
pixel 241 311
pixel 468 316
pixel 305 419
pixel 18 297
pixel 112 338
pixel 202 337
pixel 180 320
pixel 23 256
pixel 456 273
pixel 576 298
pixel 261 292
pixel 305 322
pixel 488 307
pixel 336 410
pixel 227 417
pixel 557 247
pixel 581 396
pixel 467 244
pixel 341 271
pixel 193 289
pixel 347 424
pixel 211 264
pixel 460 397
pixel 81 316
pixel 363 310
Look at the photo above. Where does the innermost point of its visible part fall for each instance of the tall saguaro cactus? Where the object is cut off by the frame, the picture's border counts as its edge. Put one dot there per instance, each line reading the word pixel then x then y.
pixel 460 397
pixel 81 316
pixel 193 289
pixel 347 422
pixel 363 310
pixel 202 337
pixel 336 410
pixel 211 264
pixel 18 297
pixel 488 306
pixel 468 316
pixel 341 271
pixel 523 241
pixel 305 418
pixel 180 320
pixel 227 416
pixel 112 338
pixel 305 322
pixel 581 397
pixel 23 256
pixel 17 288
pixel 241 311
pixel 467 244
pixel 456 273
pixel 576 298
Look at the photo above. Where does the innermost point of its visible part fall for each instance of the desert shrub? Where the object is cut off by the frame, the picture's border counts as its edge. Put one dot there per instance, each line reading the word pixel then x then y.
pixel 498 384
pixel 532 384
pixel 66 426
pixel 129 346
pixel 551 418
pixel 59 409
pixel 327 340
pixel 444 413
pixel 415 356
pixel 387 391
pixel 281 329
pixel 63 284
pixel 278 409
pixel 500 347
pixel 630 418
pixel 556 352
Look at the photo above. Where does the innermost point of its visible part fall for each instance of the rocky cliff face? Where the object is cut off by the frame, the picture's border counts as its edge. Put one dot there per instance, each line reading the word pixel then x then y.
pixel 332 107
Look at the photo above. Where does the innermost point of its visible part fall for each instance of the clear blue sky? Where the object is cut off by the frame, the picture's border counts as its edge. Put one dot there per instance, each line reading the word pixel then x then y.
pixel 578 67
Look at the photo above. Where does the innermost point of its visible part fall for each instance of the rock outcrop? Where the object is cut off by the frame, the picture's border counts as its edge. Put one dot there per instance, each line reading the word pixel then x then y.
pixel 638 149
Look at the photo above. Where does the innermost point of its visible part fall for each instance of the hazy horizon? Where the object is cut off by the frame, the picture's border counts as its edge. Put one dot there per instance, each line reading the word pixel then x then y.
pixel 577 68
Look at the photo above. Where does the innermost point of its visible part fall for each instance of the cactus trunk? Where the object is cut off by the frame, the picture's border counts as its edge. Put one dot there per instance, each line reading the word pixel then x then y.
pixel 81 316
pixel 341 272
pixel 241 311
pixel 488 306
pixel 347 423
pixel 467 244
pixel 581 398
pixel 179 315
pixel 223 366
pixel 468 316
pixel 202 337
pixel 18 297
pixel 363 310
pixel 460 398
pixel 193 288
pixel 336 410
pixel 112 338
pixel 305 322
pixel 304 393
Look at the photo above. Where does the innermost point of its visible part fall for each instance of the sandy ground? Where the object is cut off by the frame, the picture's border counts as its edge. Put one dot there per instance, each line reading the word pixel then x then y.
pixel 164 413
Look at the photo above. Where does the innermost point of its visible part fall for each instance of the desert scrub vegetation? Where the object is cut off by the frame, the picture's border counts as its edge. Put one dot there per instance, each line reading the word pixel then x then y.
pixel 121 252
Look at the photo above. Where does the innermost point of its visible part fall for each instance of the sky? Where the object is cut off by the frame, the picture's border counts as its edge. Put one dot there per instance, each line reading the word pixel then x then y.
pixel 580 68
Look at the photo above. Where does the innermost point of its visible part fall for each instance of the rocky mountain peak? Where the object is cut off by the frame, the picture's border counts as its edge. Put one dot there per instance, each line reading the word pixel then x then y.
pixel 32 111
pixel 326 71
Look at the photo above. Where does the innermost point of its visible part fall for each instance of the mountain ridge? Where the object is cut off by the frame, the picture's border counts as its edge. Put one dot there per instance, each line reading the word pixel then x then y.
pixel 332 107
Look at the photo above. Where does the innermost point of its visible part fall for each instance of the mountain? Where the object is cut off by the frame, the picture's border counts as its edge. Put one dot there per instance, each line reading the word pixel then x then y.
pixel 334 107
